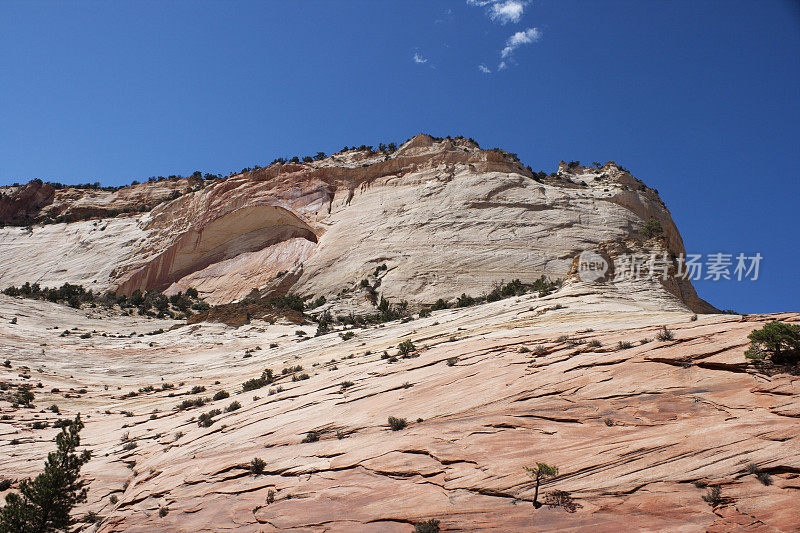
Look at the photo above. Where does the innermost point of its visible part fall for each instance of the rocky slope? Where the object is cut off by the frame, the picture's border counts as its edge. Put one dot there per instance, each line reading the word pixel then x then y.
pixel 444 216
pixel 493 388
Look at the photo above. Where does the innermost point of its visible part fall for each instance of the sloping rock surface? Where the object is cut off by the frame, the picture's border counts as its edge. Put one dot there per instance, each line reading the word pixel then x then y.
pixel 490 389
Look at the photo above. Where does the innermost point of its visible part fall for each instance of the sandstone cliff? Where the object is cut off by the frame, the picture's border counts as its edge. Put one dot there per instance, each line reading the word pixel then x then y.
pixel 444 216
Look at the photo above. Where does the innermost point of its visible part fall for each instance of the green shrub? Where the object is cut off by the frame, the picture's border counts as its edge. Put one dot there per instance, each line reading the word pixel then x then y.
pixel 256 383
pixel 406 347
pixel 428 526
pixel 233 407
pixel 439 304
pixel 311 436
pixel 221 395
pixel 207 419
pixel 188 404
pixel 5 484
pixel 451 361
pixel 23 396
pixel 713 496
pixel 594 343
pixel 651 228
pixel 396 424
pixel 44 503
pixel 777 341
pixel 665 334
pixel 624 345
pixel 762 476
pixel 257 466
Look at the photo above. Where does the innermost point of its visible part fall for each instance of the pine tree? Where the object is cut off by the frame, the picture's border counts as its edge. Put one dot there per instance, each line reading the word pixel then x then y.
pixel 43 504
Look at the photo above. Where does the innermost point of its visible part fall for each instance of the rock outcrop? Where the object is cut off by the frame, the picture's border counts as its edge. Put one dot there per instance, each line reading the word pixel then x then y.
pixel 444 216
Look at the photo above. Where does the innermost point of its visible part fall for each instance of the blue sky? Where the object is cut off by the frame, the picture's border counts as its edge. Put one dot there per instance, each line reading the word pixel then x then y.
pixel 700 99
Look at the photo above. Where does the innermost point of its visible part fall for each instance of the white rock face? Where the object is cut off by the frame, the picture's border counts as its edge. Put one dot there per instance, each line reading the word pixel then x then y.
pixel 445 217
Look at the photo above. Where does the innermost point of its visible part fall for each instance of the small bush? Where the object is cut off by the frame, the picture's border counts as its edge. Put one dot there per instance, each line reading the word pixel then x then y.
pixel 197 389
pixel 665 334
pixel 188 404
pixel 451 361
pixel 257 466
pixel 233 407
pixel 594 343
pixel 344 385
pixel 113 499
pixel 311 436
pixel 130 446
pixel 257 383
pixel 396 424
pixel 713 496
pixel 163 511
pixel 428 526
pixel 347 335
pixel 623 345
pixel 5 484
pixel 609 422
pixel 221 395
pixel 406 347
pixel 762 476
pixel 207 419
pixel 651 228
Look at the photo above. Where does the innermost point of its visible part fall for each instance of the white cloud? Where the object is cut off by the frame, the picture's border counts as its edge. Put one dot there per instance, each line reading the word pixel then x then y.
pixel 518 39
pixel 505 12
pixel 502 66
pixel 483 68
pixel 419 59
pixel 502 11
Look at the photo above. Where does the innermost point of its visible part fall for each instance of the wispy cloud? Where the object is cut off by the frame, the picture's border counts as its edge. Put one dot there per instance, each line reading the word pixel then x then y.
pixel 528 36
pixel 502 11
pixel 483 68
pixel 419 59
